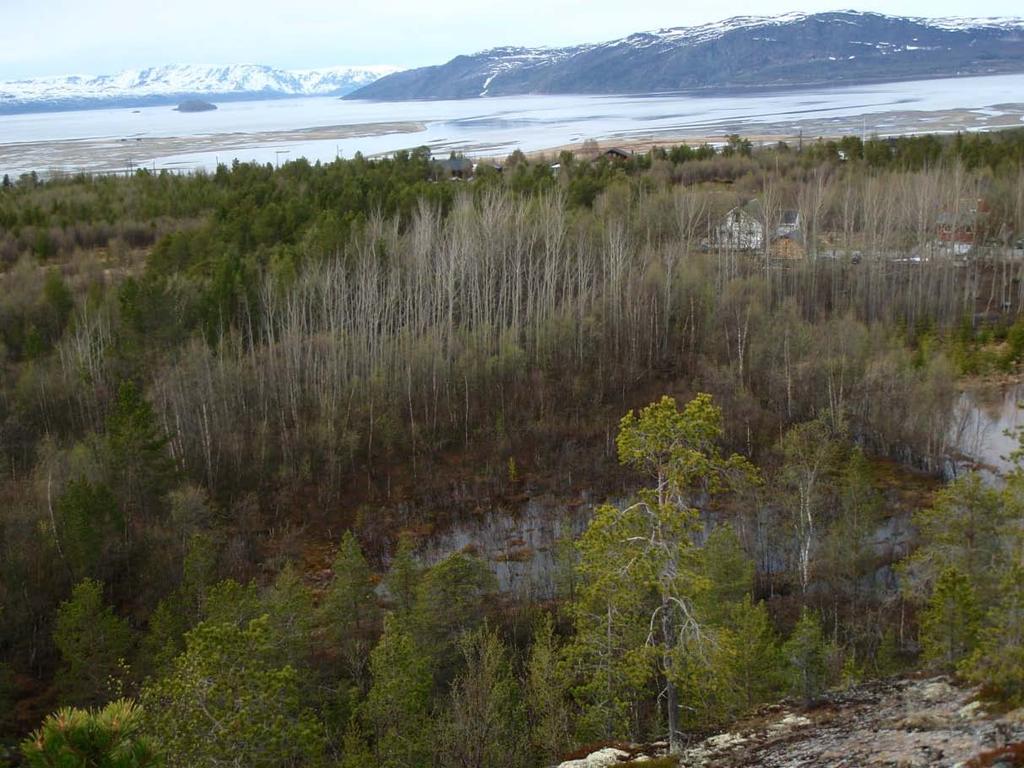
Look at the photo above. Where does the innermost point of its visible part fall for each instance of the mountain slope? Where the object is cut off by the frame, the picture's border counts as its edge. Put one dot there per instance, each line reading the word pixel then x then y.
pixel 169 84
pixel 846 46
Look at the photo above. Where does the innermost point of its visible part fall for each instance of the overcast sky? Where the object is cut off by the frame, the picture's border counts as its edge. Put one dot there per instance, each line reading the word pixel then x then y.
pixel 53 37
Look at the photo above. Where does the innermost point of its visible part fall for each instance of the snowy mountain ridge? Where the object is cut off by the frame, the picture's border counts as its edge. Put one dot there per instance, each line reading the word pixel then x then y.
pixel 714 30
pixel 166 84
pixel 789 49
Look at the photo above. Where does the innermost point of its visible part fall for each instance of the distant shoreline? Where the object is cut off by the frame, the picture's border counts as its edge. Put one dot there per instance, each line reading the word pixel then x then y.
pixel 13 108
pixel 112 155
pixel 119 142
pixel 716 91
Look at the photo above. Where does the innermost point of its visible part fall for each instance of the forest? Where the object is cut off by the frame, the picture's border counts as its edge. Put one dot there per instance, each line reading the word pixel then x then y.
pixel 237 406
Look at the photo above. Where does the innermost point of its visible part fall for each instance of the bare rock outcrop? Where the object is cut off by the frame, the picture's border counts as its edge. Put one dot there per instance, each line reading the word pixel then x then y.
pixel 892 723
pixel 896 723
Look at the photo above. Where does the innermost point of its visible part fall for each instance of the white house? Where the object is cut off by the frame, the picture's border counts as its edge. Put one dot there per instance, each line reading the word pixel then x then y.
pixel 743 227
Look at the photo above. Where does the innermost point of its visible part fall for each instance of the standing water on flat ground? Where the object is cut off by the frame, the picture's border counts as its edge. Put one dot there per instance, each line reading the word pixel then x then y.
pixel 326 127
pixel 986 423
pixel 521 545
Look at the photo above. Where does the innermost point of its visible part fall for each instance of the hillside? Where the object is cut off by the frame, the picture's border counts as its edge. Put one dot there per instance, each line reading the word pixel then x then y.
pixel 408 471
pixel 174 83
pixel 744 51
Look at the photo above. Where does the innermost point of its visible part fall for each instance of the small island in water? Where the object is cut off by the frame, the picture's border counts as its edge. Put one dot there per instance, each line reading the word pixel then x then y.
pixel 195 105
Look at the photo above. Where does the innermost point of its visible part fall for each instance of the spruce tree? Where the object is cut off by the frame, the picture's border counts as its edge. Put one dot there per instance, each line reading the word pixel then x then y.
pixel 141 468
pixel 7 696
pixel 806 656
pixel 965 528
pixel 165 636
pixel 757 669
pixel 229 602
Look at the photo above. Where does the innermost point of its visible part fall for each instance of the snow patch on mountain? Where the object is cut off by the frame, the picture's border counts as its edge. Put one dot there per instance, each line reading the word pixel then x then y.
pixel 707 32
pixel 496 62
pixel 959 24
pixel 190 80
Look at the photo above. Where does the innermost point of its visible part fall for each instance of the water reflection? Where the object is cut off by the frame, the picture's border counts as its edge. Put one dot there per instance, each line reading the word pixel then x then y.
pixel 986 420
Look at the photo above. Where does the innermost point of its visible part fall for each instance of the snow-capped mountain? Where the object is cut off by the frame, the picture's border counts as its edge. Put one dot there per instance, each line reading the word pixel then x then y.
pixel 791 49
pixel 167 84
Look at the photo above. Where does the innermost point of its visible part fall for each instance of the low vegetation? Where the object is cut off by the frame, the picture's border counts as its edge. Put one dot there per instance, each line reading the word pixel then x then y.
pixel 234 405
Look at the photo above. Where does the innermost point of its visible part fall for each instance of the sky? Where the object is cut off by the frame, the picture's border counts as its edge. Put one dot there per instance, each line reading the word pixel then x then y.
pixel 56 37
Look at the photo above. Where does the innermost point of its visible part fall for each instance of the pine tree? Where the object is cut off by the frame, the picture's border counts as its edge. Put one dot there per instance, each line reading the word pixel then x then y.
pixel 950 622
pixel 998 662
pixel 89 525
pixel 94 644
pixel 111 737
pixel 728 573
pixel 450 600
pixel 349 611
pixel 398 705
pixel 289 607
pixel 965 528
pixel 227 701
pixel 546 694
pixel 609 654
pixel 404 576
pixel 636 616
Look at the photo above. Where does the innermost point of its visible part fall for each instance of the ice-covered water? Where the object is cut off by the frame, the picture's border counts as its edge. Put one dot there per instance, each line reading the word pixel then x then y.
pixel 101 139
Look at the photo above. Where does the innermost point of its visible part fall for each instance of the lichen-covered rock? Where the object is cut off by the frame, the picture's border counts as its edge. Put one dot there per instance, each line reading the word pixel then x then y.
pixel 603 758
pixel 971 711
pixel 907 723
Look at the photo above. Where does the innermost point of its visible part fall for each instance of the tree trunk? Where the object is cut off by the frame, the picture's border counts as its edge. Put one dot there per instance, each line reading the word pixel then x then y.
pixel 668 637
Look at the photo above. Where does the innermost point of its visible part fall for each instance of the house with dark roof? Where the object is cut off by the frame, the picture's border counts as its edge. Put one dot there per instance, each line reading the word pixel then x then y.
pixel 452 168
pixel 960 230
pixel 616 153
